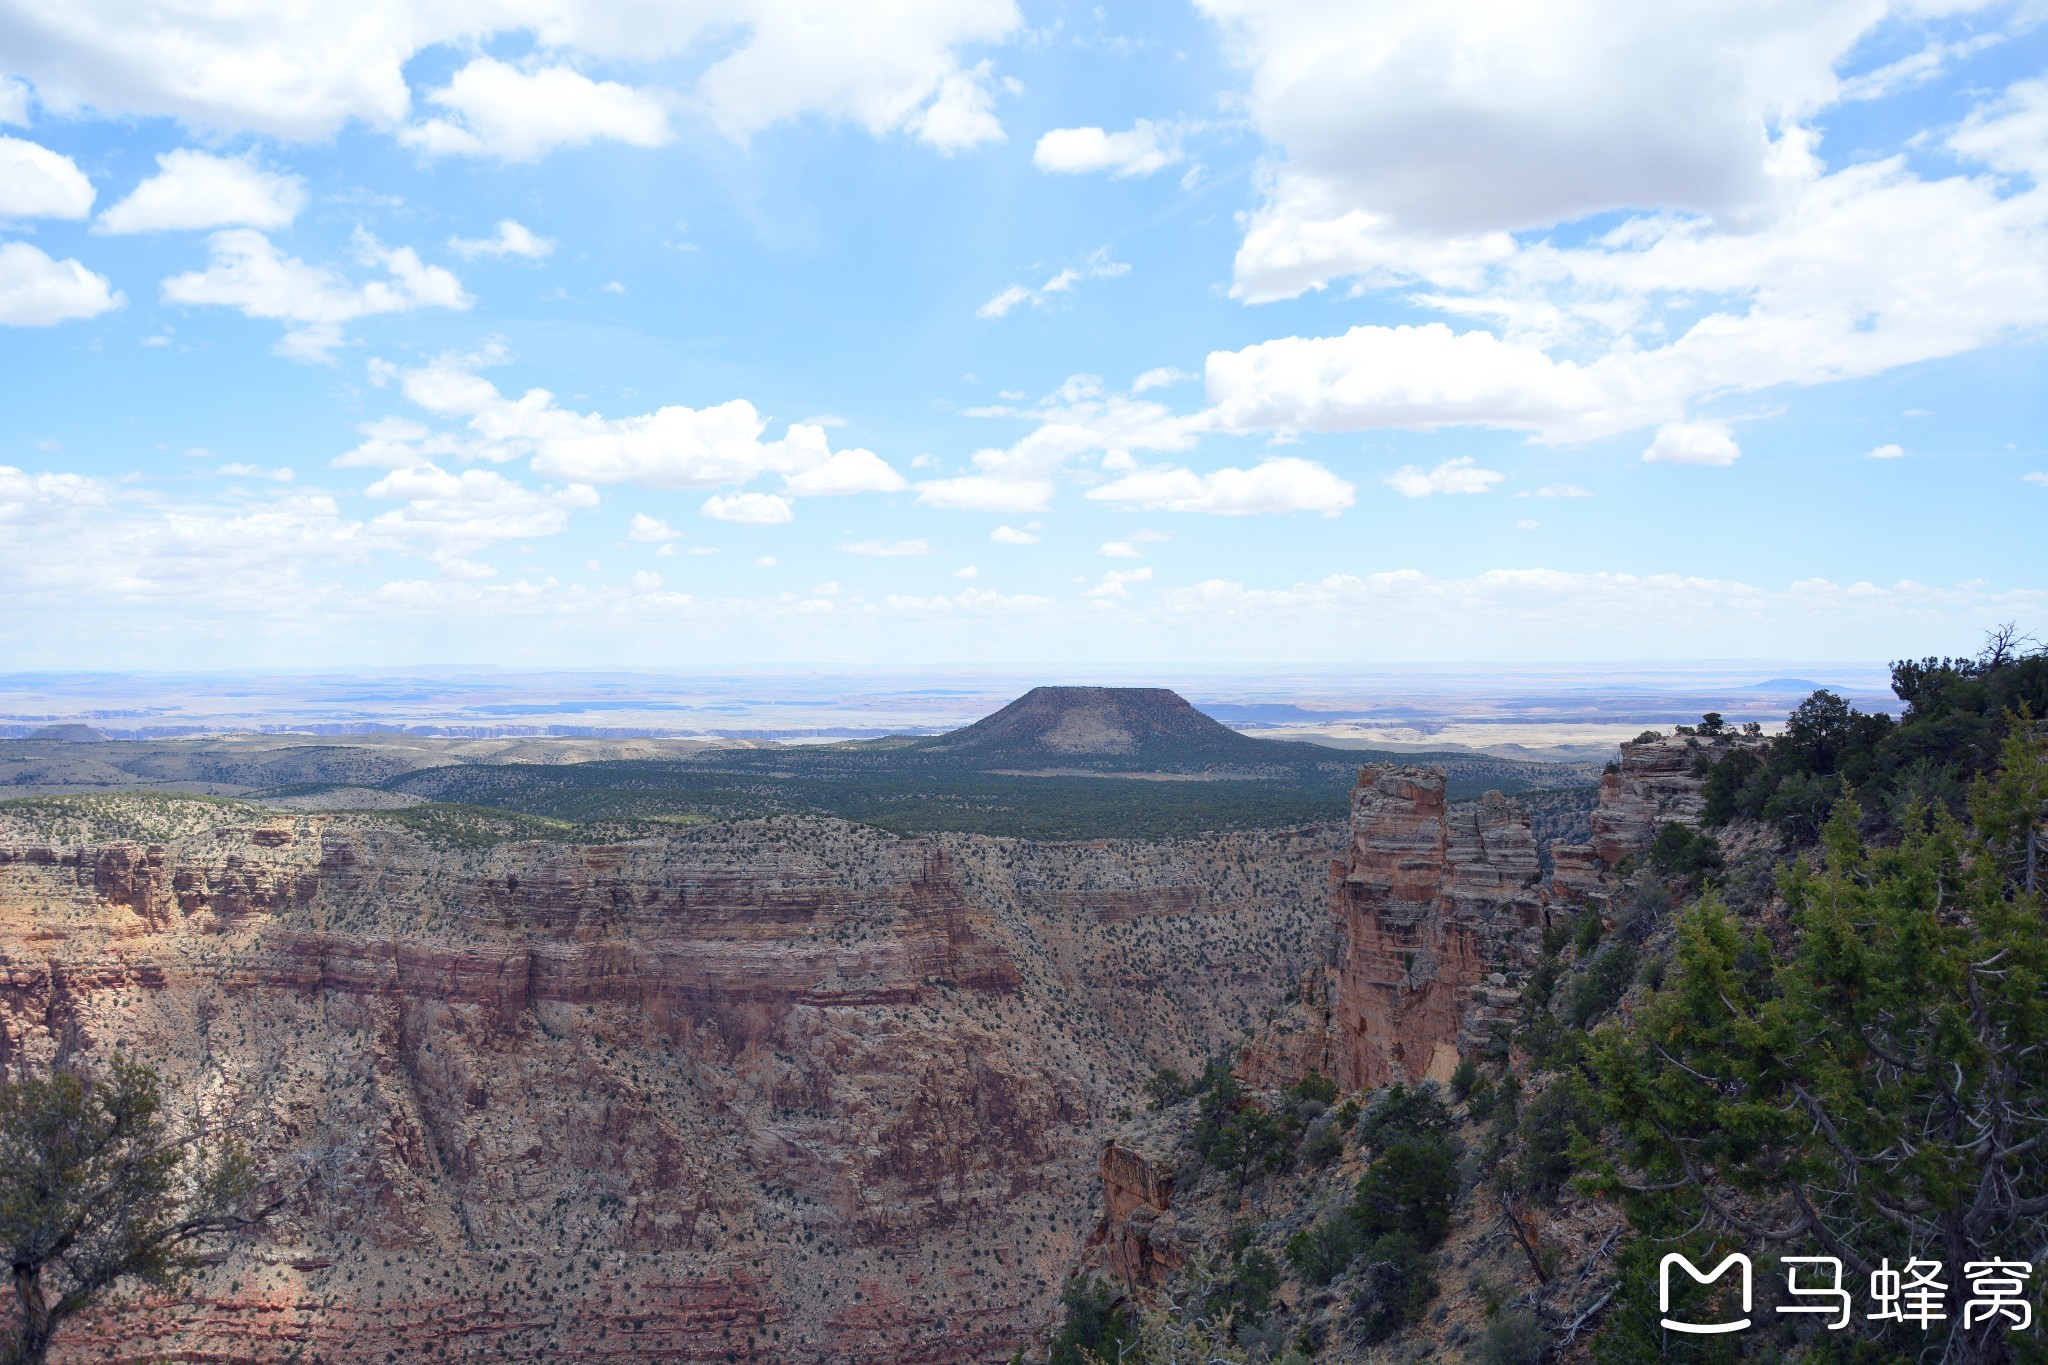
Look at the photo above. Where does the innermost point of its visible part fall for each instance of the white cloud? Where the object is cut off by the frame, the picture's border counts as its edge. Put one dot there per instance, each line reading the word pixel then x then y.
pixel 36 291
pixel 521 115
pixel 753 509
pixel 888 549
pixel 449 513
pixel 986 493
pixel 961 114
pixel 1408 376
pixel 2009 134
pixel 36 182
pixel 1454 121
pixel 1097 266
pixel 1115 583
pixel 1562 490
pixel 1146 148
pixel 1461 475
pixel 1278 484
pixel 1119 549
pixel 967 571
pixel 1433 149
pixel 13 102
pixel 2039 477
pixel 972 601
pixel 250 471
pixel 646 530
pixel 1527 524
pixel 1889 451
pixel 884 69
pixel 1538 613
pixel 1160 378
pixel 614 287
pixel 192 190
pixel 672 447
pixel 644 581
pixel 245 272
pixel 1708 443
pixel 1010 535
pixel 512 238
pixel 765 562
pixel 303 72
pixel 76 544
pixel 848 471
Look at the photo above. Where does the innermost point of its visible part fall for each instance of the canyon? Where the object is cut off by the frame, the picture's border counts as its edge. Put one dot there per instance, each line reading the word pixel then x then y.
pixel 791 1090
pixel 783 1089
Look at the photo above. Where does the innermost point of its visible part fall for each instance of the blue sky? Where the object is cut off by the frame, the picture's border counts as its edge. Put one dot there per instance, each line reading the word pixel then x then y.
pixel 551 334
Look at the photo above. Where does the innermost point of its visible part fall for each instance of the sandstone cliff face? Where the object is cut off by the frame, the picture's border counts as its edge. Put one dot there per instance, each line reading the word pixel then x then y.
pixel 790 1090
pixel 1653 785
pixel 1431 900
pixel 1139 1239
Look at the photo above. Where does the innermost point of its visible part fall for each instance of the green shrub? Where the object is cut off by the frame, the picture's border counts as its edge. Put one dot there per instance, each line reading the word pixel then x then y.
pixel 1599 986
pixel 1096 1325
pixel 1514 1339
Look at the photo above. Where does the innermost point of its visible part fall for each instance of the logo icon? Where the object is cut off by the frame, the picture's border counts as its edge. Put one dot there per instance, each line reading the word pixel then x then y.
pixel 1708 1277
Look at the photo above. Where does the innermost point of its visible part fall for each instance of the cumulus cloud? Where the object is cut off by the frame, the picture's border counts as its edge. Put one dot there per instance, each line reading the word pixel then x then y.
pixel 36 291
pixel 753 509
pixel 672 447
pixel 302 72
pixel 75 543
pixel 1562 490
pixel 503 111
pixel 1119 549
pixel 1010 535
pixel 1145 148
pixel 36 182
pixel 1708 443
pixel 448 513
pixel 986 493
pixel 13 102
pixel 886 71
pixel 1889 451
pixel 1459 154
pixel 247 273
pixel 646 530
pixel 1461 475
pixel 1114 585
pixel 888 549
pixel 2039 477
pixel 1008 298
pixel 1160 378
pixel 512 238
pixel 193 190
pixel 847 471
pixel 1278 484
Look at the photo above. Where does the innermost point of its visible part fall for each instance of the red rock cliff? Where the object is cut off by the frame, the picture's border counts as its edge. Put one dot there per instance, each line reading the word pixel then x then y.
pixel 1430 900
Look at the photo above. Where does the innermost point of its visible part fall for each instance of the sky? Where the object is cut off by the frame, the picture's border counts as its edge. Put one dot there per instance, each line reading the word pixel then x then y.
pixel 552 334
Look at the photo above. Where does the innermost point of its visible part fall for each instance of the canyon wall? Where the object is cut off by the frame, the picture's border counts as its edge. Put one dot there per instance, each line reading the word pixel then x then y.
pixel 788 1090
pixel 1431 901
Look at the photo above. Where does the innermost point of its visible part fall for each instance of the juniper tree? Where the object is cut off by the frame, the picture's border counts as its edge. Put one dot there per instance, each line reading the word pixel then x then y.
pixel 100 1189
pixel 1872 1087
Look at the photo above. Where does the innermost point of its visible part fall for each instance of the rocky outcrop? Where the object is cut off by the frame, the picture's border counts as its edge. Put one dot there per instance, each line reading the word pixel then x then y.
pixel 1140 1238
pixel 1658 780
pixel 1433 902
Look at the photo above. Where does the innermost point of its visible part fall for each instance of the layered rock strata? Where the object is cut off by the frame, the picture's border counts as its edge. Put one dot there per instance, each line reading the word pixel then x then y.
pixel 1434 903
pixel 790 1090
